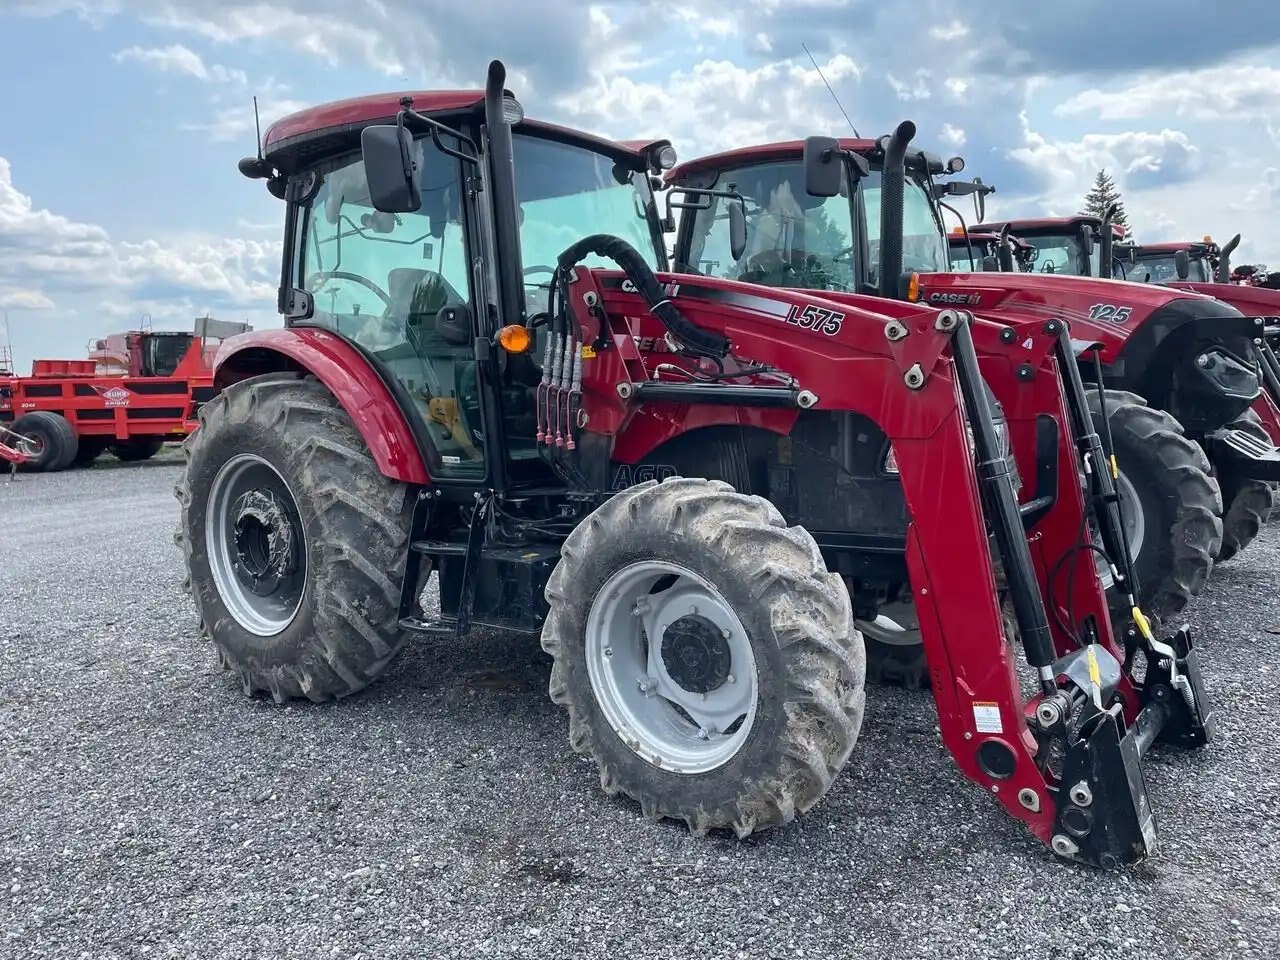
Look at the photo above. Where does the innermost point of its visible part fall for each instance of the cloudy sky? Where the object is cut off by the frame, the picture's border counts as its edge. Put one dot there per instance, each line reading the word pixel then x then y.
pixel 122 120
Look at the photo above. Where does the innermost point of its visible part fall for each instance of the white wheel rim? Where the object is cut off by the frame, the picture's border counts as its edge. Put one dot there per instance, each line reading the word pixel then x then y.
pixel 686 702
pixel 236 552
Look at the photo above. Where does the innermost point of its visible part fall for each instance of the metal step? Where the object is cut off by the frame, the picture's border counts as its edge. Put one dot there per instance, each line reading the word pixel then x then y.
pixel 436 628
pixel 439 548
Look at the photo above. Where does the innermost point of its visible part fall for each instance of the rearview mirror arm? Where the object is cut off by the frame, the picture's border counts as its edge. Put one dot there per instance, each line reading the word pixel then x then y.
pixel 436 128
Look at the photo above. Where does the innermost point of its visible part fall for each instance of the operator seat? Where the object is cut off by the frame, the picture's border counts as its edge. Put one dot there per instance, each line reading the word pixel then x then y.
pixel 416 299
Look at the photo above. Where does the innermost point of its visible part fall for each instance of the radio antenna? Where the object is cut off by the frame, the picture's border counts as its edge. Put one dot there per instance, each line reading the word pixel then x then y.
pixel 832 92
pixel 257 125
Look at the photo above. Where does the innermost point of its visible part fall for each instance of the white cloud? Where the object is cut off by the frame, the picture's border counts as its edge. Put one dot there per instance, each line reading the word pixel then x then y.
pixel 1229 92
pixel 694 108
pixel 955 30
pixel 235 122
pixel 179 59
pixel 918 89
pixel 952 136
pixel 15 299
pixel 47 259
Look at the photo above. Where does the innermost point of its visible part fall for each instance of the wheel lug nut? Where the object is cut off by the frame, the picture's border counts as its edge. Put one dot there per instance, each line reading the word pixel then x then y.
pixel 608 651
pixel 726 634
pixel 730 679
pixel 693 608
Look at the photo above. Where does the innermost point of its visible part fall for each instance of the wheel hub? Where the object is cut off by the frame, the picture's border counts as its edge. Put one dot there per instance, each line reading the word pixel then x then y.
pixel 266 549
pixel 696 654
pixel 671 667
pixel 256 545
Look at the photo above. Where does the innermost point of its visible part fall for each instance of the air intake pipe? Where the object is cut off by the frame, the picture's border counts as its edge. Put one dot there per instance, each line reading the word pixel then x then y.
pixel 892 185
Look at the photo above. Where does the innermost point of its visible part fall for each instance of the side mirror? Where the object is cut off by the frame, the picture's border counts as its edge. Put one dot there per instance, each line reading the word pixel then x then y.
pixel 393 177
pixel 1182 263
pixel 823 170
pixel 737 229
pixel 1086 241
pixel 453 324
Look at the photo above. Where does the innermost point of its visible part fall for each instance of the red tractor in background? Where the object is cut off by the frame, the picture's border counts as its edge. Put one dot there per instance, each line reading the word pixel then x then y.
pixel 1174 367
pixel 72 411
pixel 1093 247
pixel 487 373
pixel 973 250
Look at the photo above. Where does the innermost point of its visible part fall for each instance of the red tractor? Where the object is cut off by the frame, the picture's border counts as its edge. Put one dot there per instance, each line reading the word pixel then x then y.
pixel 1176 369
pixel 1092 247
pixel 487 374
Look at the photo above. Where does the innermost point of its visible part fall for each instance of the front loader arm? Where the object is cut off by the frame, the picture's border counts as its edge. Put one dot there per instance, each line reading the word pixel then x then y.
pixel 917 376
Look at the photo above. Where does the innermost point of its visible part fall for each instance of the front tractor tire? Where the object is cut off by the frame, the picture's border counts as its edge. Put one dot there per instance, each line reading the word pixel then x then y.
pixel 708 661
pixel 1249 503
pixel 292 540
pixel 1171 504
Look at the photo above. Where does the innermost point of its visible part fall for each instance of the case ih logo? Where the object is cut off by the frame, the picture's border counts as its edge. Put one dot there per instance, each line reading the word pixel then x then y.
pixel 115 396
pixel 955 298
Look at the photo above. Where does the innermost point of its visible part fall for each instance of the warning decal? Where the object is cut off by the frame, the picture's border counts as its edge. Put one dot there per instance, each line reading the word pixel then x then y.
pixel 986 717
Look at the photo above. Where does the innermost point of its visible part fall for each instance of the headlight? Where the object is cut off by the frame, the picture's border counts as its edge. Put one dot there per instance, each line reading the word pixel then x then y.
pixel 890 464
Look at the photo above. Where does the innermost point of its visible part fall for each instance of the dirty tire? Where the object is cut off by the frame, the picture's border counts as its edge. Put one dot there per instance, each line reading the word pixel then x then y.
pixel 810 661
pixel 1250 503
pixel 133 451
pixel 356 533
pixel 89 450
pixel 55 435
pixel 1180 500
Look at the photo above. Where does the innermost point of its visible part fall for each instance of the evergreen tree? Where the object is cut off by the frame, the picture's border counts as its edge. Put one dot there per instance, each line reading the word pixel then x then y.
pixel 1103 194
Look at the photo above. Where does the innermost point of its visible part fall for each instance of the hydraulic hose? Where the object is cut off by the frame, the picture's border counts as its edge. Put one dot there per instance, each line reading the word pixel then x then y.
pixel 696 339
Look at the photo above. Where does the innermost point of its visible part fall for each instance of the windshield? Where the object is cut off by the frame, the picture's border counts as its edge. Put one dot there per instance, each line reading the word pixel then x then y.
pixel 960 260
pixel 924 246
pixel 1164 267
pixel 793 239
pixel 1060 253
pixel 567 192
pixel 163 352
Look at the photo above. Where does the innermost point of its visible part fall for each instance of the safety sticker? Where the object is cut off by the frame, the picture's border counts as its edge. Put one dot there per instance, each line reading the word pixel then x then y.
pixel 986 717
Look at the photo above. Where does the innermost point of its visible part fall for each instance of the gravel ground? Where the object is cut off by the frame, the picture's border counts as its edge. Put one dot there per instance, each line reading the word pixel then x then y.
pixel 147 808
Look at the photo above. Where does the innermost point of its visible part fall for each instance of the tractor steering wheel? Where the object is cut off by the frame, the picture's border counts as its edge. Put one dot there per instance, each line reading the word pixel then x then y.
pixel 321 277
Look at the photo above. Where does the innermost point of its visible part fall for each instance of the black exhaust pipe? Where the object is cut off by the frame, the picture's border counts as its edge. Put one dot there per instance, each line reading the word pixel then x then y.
pixel 502 180
pixel 1224 259
pixel 1006 250
pixel 1105 266
pixel 892 184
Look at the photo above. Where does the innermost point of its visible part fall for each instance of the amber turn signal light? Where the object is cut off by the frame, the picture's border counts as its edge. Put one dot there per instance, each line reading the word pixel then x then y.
pixel 514 338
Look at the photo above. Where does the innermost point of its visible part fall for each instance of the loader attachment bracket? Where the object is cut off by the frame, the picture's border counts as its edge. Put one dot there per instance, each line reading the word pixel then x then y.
pixel 1103 815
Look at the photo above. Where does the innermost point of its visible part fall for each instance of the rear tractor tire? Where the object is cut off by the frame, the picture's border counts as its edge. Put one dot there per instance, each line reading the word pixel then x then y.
pixel 1249 503
pixel 708 660
pixel 1171 504
pixel 291 537
pixel 52 436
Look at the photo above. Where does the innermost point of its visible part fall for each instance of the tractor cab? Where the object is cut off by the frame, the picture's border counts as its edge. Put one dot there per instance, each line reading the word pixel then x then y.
pixel 1196 261
pixel 1076 246
pixel 794 238
pixel 975 250
pixel 413 280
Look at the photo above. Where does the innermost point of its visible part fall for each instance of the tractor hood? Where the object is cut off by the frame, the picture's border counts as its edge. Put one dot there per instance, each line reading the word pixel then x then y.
pixel 1251 301
pixel 1106 311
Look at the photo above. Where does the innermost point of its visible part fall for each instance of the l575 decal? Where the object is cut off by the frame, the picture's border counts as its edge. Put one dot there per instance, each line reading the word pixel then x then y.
pixel 813 317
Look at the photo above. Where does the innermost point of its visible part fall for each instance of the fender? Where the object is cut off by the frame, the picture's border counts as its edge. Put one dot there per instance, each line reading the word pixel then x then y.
pixel 349 377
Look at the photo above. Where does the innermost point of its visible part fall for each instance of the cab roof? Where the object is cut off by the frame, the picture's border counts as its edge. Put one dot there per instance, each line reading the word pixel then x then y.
pixel 1048 224
pixel 328 126
pixel 759 153
pixel 1191 246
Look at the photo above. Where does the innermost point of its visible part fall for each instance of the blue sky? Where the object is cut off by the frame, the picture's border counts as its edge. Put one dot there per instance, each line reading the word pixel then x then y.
pixel 123 119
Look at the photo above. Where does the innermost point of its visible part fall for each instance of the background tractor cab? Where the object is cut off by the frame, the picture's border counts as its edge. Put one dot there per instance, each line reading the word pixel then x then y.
pixel 975 250
pixel 1197 261
pixel 1079 246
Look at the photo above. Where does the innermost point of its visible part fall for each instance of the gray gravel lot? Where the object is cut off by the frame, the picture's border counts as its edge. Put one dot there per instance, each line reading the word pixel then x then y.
pixel 147 808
